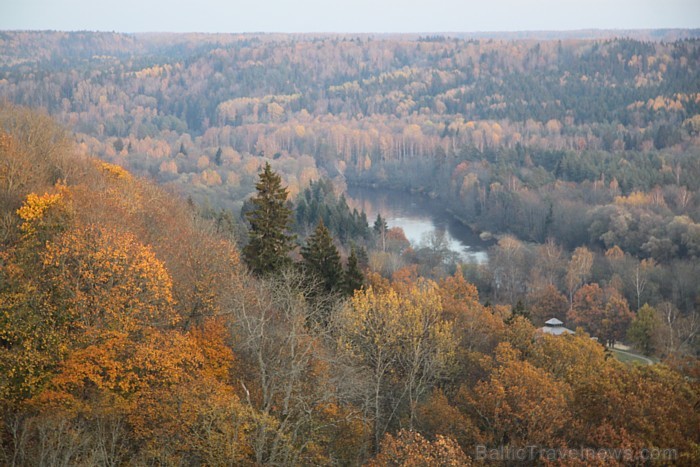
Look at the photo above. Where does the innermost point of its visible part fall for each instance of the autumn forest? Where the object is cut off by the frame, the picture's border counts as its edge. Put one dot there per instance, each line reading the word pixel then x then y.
pixel 183 280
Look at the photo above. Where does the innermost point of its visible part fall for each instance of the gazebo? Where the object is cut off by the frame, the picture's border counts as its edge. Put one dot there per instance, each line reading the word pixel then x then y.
pixel 555 328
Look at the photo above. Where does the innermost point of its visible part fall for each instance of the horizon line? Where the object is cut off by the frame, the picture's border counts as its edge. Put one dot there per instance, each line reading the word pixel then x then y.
pixel 504 31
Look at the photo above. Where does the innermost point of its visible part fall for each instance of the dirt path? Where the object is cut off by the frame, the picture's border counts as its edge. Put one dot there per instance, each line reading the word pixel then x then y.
pixel 634 355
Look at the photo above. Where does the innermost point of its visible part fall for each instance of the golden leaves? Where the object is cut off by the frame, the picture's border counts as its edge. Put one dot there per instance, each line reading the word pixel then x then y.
pixel 399 336
pixel 637 198
pixel 107 278
pixel 114 171
pixel 34 209
pixel 388 319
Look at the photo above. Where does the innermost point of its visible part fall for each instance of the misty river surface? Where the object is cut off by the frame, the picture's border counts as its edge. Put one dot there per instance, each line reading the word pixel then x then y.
pixel 419 217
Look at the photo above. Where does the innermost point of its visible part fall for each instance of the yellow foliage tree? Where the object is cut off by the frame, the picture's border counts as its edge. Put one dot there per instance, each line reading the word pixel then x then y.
pixel 35 212
pixel 33 334
pixel 399 337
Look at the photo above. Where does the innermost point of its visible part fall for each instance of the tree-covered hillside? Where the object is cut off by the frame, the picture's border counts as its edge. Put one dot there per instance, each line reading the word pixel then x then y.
pixel 589 141
pixel 202 110
pixel 182 280
pixel 130 333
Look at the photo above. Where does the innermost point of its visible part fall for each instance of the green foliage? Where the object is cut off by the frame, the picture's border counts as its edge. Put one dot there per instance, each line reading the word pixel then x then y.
pixel 270 222
pixel 354 277
pixel 642 330
pixel 380 226
pixel 518 310
pixel 319 202
pixel 321 259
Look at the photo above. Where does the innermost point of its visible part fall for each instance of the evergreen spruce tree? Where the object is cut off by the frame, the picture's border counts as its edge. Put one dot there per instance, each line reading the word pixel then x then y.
pixel 270 222
pixel 380 225
pixel 380 229
pixel 354 278
pixel 518 310
pixel 322 260
pixel 362 256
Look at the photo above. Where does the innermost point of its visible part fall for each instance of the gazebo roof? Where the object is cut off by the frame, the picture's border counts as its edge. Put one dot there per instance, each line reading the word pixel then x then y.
pixel 553 322
pixel 555 327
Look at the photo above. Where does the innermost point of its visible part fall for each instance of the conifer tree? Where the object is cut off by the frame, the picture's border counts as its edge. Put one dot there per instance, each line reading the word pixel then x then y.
pixel 270 223
pixel 380 229
pixel 321 258
pixel 380 225
pixel 518 310
pixel 354 278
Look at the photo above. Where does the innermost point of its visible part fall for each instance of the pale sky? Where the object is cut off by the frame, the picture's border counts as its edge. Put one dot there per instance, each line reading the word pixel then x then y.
pixel 346 15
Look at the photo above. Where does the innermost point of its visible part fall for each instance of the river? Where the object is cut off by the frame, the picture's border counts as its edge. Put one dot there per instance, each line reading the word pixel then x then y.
pixel 419 217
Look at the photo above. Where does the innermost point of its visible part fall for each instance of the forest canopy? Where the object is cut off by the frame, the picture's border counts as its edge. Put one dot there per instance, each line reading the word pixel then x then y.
pixel 147 318
pixel 131 332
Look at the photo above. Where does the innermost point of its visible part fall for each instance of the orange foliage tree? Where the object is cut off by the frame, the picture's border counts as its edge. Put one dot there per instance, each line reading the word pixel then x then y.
pixel 411 449
pixel 603 312
pixel 519 404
